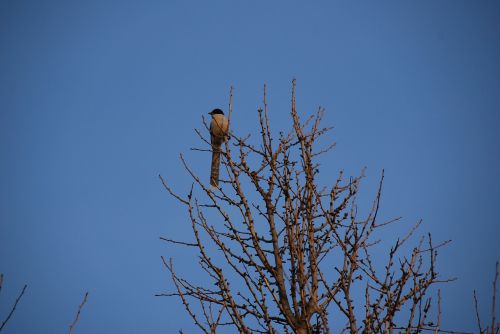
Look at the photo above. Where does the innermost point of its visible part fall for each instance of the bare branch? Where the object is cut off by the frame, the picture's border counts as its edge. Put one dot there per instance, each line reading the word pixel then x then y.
pixel 77 317
pixel 476 308
pixel 493 303
pixel 14 306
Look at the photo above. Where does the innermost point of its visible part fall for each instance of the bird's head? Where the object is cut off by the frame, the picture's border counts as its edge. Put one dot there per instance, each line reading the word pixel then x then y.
pixel 216 112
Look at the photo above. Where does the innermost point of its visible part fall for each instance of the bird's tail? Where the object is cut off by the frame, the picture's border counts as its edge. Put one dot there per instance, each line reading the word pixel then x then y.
pixel 214 173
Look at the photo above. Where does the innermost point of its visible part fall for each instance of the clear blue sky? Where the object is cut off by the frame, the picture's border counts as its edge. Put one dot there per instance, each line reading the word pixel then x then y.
pixel 99 97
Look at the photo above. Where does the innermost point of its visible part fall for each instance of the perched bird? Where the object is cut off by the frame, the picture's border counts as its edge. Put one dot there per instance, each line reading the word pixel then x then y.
pixel 219 129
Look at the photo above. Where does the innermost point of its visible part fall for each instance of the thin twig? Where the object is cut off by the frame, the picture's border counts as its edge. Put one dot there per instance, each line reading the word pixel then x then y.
pixel 493 306
pixel 433 329
pixel 476 307
pixel 179 242
pixel 13 307
pixel 230 107
pixel 439 312
pixel 72 326
pixel 170 191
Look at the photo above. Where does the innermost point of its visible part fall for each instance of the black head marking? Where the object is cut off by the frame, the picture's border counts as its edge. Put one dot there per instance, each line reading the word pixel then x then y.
pixel 216 112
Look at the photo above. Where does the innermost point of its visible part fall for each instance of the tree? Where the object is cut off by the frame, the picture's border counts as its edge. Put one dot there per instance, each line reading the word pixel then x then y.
pixel 298 252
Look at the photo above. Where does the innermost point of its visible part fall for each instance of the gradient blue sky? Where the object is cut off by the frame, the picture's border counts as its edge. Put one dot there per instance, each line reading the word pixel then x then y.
pixel 99 97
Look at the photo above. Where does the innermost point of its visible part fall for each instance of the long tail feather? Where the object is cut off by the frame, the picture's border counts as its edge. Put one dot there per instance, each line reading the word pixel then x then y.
pixel 214 173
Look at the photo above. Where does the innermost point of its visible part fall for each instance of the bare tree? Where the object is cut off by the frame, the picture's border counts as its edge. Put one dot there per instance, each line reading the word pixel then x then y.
pixel 287 255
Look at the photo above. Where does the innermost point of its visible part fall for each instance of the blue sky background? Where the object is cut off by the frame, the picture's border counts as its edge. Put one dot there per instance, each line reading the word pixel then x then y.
pixel 99 97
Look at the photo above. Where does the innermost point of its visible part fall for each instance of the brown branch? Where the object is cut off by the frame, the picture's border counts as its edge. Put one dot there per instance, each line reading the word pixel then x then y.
pixel 230 107
pixel 438 325
pixel 77 317
pixel 424 328
pixel 476 308
pixel 171 192
pixel 493 303
pixel 14 306
pixel 179 242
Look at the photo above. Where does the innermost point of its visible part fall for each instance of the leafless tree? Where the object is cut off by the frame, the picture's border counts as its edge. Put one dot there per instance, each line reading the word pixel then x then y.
pixel 284 254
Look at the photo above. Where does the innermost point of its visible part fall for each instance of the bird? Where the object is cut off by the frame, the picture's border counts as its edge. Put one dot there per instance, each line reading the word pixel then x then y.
pixel 219 129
